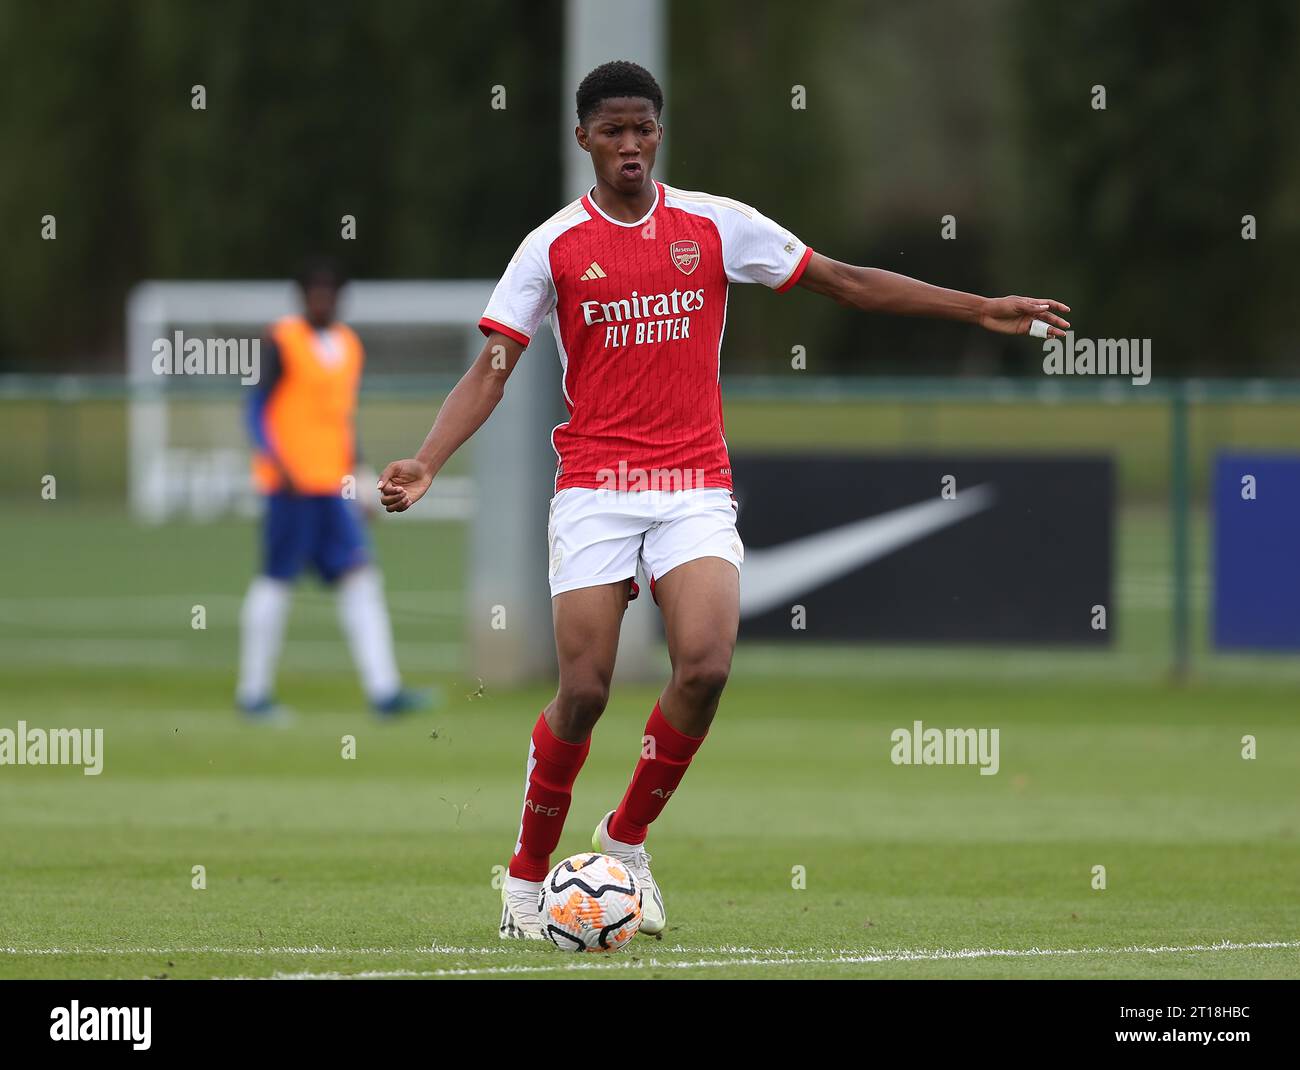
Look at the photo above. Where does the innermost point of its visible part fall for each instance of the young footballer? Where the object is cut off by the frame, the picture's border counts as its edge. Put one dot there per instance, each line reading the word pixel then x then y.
pixel 633 276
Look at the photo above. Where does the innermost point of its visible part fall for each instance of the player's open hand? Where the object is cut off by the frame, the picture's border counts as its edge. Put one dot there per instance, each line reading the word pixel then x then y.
pixel 1015 315
pixel 403 483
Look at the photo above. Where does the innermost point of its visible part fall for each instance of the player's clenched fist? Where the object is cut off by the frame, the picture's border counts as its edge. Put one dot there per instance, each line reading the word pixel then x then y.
pixel 403 483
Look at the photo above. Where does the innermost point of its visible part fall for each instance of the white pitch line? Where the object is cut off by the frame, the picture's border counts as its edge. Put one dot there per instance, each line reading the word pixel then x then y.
pixel 840 960
pixel 746 956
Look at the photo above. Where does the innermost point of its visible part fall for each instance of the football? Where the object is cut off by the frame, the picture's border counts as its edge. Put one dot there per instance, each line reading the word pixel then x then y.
pixel 590 902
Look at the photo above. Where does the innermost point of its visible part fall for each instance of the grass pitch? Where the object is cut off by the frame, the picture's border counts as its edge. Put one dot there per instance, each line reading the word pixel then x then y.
pixel 383 865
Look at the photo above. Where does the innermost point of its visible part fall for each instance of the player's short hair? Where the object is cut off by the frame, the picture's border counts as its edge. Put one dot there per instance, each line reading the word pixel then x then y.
pixel 619 78
pixel 325 269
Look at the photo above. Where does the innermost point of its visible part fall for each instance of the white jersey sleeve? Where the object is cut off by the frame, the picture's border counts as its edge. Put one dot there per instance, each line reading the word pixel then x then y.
pixel 524 296
pixel 754 248
pixel 526 293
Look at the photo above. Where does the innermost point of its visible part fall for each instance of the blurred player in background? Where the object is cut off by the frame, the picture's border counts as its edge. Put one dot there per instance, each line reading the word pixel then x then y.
pixel 633 276
pixel 301 419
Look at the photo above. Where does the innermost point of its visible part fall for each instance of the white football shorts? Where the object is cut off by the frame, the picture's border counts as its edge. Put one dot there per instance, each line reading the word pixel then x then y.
pixel 597 536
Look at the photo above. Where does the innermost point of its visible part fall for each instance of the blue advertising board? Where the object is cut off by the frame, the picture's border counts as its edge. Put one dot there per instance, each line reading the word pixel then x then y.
pixel 1256 551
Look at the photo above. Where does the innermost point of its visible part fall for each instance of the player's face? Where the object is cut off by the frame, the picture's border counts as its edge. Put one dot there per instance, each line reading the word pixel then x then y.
pixel 319 302
pixel 623 135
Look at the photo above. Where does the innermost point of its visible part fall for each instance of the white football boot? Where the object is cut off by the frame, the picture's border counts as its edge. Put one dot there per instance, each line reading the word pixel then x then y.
pixel 637 859
pixel 520 918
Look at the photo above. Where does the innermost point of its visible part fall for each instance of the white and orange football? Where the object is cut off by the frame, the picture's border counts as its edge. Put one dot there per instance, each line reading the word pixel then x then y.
pixel 590 902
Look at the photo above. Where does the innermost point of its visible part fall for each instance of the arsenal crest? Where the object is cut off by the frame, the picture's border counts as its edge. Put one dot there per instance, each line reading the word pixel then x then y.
pixel 686 255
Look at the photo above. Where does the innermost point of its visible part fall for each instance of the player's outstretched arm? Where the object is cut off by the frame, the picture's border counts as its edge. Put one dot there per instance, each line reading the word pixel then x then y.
pixel 470 402
pixel 874 290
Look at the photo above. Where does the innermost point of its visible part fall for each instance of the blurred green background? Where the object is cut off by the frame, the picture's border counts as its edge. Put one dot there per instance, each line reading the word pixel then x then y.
pixel 1132 214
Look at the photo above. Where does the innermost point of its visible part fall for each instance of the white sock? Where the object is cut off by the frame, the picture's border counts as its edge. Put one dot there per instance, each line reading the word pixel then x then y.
pixel 364 617
pixel 261 634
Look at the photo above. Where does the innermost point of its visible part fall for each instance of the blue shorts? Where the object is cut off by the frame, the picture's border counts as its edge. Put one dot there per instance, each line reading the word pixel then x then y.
pixel 323 531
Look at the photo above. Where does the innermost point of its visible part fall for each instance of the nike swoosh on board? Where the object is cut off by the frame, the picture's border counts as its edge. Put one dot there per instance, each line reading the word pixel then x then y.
pixel 775 574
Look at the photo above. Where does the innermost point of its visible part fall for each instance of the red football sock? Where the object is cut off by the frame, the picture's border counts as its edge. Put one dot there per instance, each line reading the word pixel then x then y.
pixel 654 780
pixel 553 766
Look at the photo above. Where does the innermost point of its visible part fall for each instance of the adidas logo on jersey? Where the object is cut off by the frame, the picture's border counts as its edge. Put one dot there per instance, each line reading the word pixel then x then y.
pixel 593 272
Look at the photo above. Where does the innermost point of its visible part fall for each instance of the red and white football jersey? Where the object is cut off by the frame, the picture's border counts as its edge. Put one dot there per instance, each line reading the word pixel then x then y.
pixel 638 311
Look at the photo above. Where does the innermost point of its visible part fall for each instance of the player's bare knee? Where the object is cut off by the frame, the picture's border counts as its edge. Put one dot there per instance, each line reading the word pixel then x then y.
pixel 703 678
pixel 579 704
